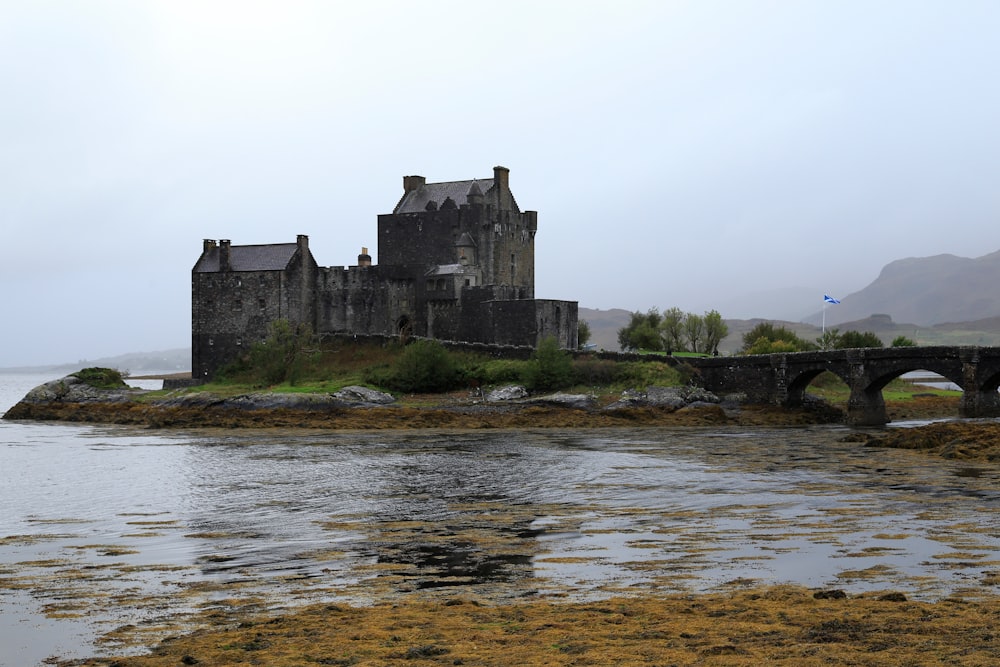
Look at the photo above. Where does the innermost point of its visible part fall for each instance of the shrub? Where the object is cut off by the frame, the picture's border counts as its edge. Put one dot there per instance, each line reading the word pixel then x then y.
pixel 765 338
pixel 102 378
pixel 550 367
pixel 902 341
pixel 424 367
pixel 284 356
pixel 850 339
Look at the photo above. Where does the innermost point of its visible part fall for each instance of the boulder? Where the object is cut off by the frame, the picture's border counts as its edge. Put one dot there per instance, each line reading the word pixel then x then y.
pixel 511 392
pixel 356 394
pixel 559 399
pixel 71 389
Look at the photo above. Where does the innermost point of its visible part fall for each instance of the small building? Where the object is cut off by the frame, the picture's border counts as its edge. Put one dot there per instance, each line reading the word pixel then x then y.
pixel 456 262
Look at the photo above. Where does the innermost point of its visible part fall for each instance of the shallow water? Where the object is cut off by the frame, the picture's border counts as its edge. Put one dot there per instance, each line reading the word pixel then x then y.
pixel 117 528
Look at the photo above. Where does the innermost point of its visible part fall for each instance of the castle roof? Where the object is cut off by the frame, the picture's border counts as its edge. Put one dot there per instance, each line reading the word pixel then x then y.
pixel 415 201
pixel 272 257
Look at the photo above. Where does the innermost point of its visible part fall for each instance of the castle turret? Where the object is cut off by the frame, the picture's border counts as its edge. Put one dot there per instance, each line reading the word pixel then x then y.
pixel 475 194
pixel 465 248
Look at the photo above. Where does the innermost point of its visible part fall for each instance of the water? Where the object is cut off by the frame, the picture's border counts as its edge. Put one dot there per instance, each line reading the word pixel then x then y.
pixel 115 533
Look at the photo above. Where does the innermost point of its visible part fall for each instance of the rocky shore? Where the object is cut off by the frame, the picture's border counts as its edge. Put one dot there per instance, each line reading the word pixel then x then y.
pixel 70 399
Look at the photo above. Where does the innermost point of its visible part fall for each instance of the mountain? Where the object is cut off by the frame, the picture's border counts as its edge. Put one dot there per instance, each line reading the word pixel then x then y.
pixel 925 291
pixel 136 363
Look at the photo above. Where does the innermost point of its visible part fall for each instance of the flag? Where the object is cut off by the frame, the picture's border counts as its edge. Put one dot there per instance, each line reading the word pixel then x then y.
pixel 830 299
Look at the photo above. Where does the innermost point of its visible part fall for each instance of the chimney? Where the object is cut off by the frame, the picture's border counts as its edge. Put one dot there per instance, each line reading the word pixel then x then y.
pixel 224 263
pixel 364 259
pixel 207 245
pixel 302 241
pixel 411 183
pixel 501 177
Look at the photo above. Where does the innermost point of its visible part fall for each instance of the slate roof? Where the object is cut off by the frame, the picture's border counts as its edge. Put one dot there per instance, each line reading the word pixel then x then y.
pixel 272 257
pixel 415 201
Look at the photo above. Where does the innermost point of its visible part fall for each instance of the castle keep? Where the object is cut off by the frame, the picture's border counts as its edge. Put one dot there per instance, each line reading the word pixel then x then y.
pixel 456 262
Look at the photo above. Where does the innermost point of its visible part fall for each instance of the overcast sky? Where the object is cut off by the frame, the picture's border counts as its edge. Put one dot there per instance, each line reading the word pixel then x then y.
pixel 678 153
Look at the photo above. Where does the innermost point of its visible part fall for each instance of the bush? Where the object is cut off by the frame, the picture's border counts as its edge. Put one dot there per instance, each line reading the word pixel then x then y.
pixel 550 367
pixel 424 367
pixel 850 339
pixel 765 338
pixel 284 356
pixel 902 341
pixel 102 378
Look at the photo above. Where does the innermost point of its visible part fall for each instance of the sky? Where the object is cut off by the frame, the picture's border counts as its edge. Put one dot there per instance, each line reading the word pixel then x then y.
pixel 732 155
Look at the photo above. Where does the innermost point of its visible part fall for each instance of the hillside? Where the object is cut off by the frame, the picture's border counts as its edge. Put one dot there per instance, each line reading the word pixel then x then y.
pixel 926 291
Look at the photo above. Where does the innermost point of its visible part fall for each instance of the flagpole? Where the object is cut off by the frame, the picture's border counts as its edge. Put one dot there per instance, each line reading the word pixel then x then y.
pixel 824 317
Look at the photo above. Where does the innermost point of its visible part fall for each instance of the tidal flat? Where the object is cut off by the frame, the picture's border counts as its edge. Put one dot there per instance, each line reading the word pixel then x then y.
pixel 677 545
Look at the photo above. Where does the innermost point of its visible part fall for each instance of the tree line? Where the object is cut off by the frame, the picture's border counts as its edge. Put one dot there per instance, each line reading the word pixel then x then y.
pixel 766 338
pixel 676 331
pixel 673 330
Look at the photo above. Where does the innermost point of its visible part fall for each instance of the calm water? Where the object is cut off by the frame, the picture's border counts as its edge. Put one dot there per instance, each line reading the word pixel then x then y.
pixel 105 528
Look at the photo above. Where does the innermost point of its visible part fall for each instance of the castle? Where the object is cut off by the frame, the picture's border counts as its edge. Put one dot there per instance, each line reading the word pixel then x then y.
pixel 456 262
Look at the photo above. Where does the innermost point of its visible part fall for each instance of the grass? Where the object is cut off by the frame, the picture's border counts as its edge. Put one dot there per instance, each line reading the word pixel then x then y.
pixel 331 366
pixel 833 390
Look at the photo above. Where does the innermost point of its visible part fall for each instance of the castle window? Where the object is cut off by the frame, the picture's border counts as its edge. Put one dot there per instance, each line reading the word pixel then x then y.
pixel 237 304
pixel 239 342
pixel 239 282
pixel 467 282
pixel 211 342
pixel 262 303
pixel 430 285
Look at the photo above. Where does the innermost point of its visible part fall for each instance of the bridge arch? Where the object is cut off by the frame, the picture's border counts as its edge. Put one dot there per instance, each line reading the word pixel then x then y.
pixel 783 378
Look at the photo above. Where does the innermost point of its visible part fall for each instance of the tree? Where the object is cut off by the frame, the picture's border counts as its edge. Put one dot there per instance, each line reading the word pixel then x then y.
pixel 672 330
pixel 642 332
pixel 694 331
pixel 850 339
pixel 582 333
pixel 282 356
pixel 902 341
pixel 715 330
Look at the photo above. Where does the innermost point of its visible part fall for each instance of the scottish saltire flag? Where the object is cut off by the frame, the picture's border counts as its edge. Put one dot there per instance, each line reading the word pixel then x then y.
pixel 830 299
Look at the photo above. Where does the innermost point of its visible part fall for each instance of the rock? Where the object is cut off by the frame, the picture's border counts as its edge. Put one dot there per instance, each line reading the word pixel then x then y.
pixel 509 393
pixel 665 397
pixel 698 395
pixel 356 394
pixel 892 597
pixel 575 401
pixel 832 594
pixel 72 389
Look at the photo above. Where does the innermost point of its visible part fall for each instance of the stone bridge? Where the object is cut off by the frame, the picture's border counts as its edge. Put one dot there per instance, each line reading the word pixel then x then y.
pixel 782 378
